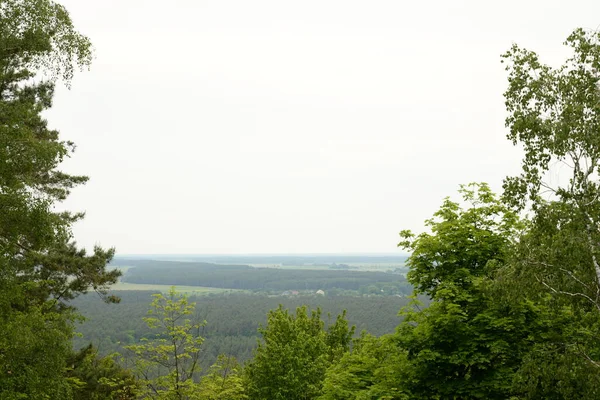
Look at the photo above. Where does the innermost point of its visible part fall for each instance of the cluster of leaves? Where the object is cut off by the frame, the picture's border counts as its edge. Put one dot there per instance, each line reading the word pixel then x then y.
pixel 167 365
pixel 296 350
pixel 375 369
pixel 99 378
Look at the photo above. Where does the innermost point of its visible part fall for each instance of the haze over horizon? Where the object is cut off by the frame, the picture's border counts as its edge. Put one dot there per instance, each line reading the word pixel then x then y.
pixel 373 254
pixel 268 127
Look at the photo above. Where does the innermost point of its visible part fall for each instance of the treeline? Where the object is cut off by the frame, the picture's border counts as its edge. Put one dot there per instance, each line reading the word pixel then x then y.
pixel 249 278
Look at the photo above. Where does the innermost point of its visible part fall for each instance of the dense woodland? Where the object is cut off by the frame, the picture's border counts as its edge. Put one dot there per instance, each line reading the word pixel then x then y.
pixel 512 279
pixel 232 321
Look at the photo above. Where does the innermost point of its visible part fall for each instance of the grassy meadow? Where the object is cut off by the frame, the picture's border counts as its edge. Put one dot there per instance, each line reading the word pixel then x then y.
pixel 195 290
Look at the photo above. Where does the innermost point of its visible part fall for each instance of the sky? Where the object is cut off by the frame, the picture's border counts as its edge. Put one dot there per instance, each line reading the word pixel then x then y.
pixel 240 127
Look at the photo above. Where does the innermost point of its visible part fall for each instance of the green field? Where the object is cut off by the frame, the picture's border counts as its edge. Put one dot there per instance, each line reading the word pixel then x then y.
pixel 196 290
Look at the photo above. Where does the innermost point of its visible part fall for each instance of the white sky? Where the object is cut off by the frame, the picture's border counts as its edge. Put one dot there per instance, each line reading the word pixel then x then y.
pixel 291 127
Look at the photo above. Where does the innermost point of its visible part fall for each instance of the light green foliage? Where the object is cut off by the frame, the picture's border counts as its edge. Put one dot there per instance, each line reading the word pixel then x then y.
pixel 223 381
pixel 167 366
pixel 296 350
pixel 375 369
pixel 463 244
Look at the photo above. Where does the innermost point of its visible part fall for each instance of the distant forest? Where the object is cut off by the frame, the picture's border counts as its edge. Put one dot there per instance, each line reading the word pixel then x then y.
pixel 250 278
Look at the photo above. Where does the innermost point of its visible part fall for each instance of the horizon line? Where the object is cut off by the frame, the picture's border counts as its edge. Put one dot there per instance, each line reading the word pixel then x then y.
pixel 265 254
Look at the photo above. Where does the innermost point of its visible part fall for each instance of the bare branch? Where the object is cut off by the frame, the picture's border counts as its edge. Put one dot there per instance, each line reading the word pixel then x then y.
pixel 572 275
pixel 585 296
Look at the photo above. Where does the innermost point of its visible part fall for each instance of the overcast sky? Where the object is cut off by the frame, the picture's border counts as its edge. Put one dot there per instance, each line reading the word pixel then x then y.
pixel 291 127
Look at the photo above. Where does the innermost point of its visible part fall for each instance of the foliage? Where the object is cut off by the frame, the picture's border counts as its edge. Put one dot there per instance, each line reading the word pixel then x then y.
pixel 554 370
pixel 34 346
pixel 296 350
pixel 167 366
pixel 467 343
pixel 464 244
pixel 37 38
pixel 40 265
pixel 554 116
pixel 223 381
pixel 374 369
pixel 99 378
pixel 339 336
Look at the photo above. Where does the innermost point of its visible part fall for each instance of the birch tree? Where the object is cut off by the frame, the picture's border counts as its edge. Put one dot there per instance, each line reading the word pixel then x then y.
pixel 554 115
